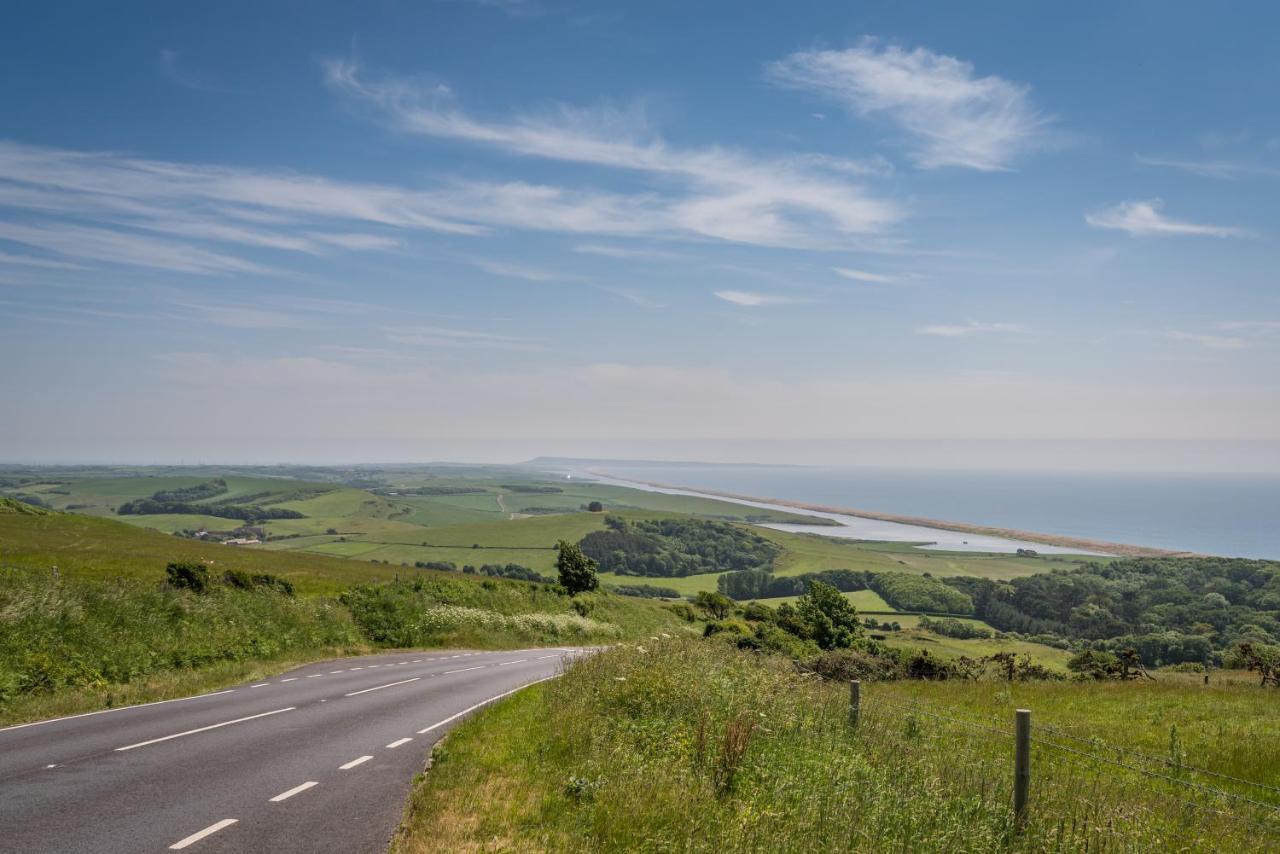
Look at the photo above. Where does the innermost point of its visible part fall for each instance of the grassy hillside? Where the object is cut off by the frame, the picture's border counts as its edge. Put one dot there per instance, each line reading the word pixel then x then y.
pixel 105 549
pixel 691 746
pixel 90 621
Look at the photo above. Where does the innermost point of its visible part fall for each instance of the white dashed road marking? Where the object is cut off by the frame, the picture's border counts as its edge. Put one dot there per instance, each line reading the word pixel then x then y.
pixel 354 762
pixel 398 742
pixel 204 729
pixel 481 704
pixel 465 669
pixel 284 796
pixel 116 709
pixel 380 687
pixel 196 837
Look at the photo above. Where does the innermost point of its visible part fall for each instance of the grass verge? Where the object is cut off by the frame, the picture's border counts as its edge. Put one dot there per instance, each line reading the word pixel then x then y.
pixel 691 746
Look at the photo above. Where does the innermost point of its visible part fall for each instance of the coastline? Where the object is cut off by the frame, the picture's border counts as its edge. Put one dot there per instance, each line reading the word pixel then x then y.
pixel 1066 542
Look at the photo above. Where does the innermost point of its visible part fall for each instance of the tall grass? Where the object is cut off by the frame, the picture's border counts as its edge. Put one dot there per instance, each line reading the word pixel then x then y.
pixel 58 633
pixel 691 746
pixel 62 636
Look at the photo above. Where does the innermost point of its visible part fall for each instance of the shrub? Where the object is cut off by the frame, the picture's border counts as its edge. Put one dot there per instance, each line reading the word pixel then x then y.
pixel 186 575
pixel 842 665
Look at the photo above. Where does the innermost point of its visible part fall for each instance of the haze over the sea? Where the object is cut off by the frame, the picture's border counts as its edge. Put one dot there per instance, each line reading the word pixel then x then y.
pixel 1223 514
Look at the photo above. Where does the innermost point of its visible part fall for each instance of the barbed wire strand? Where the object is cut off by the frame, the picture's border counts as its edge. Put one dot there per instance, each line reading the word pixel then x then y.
pixel 1234 816
pixel 1208 790
pixel 1100 744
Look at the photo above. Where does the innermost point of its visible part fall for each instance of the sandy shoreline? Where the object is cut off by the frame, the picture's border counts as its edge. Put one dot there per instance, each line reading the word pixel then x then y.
pixel 1121 549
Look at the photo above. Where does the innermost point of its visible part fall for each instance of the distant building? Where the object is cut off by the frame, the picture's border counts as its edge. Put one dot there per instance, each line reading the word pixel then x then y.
pixel 242 541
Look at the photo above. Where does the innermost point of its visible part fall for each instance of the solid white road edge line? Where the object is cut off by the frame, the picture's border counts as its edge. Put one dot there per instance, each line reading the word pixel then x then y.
pixel 398 742
pixel 380 687
pixel 284 796
pixel 204 729
pixel 201 834
pixel 481 704
pixel 117 709
pixel 354 762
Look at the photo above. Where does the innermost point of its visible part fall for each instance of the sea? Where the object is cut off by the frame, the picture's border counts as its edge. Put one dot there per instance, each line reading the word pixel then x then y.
pixel 1235 515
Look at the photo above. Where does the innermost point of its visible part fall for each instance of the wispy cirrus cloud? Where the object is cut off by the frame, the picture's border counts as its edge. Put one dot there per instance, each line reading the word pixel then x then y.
pixel 971 328
pixel 630 253
pixel 953 116
pixel 468 339
pixel 1228 170
pixel 118 247
pixel 171 68
pixel 1212 342
pixel 724 194
pixel 863 275
pixel 6 259
pixel 753 299
pixel 1144 219
pixel 521 271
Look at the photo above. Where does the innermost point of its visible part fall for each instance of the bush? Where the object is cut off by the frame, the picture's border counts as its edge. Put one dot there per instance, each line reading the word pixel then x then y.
pixel 843 665
pixel 952 628
pixel 645 591
pixel 188 576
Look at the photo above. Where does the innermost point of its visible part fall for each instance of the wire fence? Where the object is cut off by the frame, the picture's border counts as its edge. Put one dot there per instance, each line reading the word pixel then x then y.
pixel 1186 793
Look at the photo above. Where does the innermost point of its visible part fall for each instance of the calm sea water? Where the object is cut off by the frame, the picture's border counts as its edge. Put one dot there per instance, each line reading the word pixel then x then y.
pixel 1236 515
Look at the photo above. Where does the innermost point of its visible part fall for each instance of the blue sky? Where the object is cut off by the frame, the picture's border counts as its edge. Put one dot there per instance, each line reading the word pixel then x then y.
pixel 407 230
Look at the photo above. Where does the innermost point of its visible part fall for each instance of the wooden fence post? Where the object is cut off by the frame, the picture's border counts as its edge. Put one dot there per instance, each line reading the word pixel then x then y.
pixel 855 701
pixel 1021 765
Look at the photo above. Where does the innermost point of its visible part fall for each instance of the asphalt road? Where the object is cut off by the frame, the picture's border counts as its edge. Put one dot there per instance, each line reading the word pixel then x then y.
pixel 319 759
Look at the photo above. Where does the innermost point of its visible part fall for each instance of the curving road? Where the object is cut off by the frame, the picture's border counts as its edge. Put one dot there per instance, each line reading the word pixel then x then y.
pixel 319 759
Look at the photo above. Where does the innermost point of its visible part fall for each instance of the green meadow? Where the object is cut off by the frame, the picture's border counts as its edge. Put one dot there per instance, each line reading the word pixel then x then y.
pixel 692 746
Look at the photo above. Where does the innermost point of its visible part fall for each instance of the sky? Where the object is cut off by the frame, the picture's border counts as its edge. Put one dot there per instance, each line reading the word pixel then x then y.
pixel 324 231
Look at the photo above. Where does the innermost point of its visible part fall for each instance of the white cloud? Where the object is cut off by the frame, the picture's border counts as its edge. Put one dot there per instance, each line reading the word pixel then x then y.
pixel 1263 326
pixel 725 194
pixel 630 253
pixel 446 337
pixel 1225 169
pixel 752 299
pixel 520 271
pixel 955 117
pixel 125 248
pixel 862 275
pixel 32 261
pixel 1212 342
pixel 170 67
pixel 239 316
pixel 1143 219
pixel 964 330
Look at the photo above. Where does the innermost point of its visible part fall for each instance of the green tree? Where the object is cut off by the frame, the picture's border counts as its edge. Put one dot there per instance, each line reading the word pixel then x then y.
pixel 717 605
pixel 831 619
pixel 577 571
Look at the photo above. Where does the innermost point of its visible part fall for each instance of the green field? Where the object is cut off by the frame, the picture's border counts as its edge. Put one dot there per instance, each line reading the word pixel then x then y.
pixel 687 746
pixel 475 515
